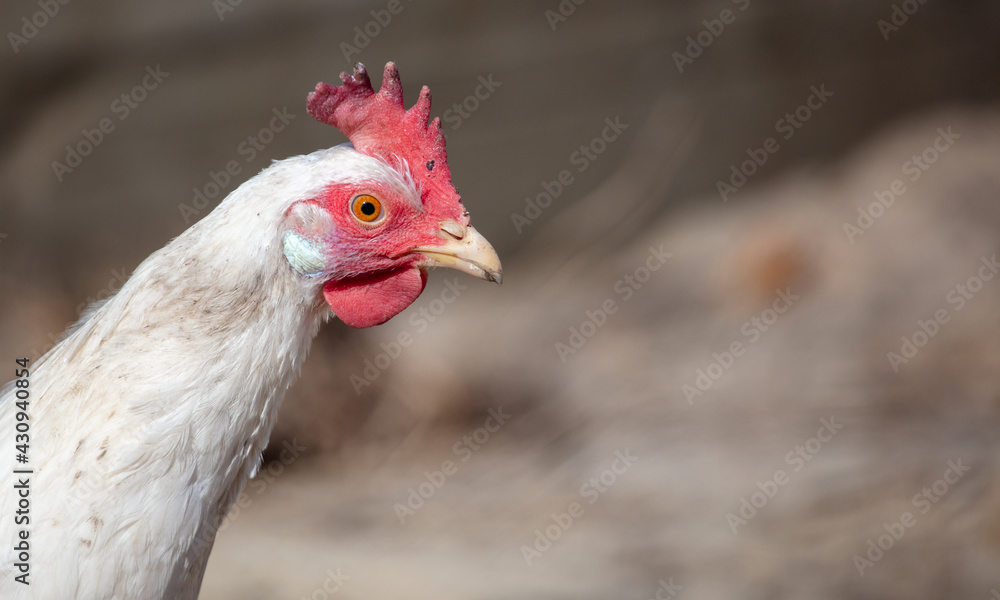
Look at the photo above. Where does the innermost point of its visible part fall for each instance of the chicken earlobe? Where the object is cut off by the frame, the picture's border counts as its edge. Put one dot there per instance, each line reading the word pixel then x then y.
pixel 304 244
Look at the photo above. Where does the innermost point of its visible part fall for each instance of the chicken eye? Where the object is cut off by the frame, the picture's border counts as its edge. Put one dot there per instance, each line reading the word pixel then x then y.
pixel 366 208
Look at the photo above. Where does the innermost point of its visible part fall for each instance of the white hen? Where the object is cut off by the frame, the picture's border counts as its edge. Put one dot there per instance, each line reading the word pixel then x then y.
pixel 148 419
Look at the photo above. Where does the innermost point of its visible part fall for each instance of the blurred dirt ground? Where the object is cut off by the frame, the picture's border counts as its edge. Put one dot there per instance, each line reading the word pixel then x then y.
pixel 772 468
pixel 821 368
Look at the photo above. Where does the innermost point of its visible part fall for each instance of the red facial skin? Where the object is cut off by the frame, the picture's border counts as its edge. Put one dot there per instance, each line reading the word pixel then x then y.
pixel 374 274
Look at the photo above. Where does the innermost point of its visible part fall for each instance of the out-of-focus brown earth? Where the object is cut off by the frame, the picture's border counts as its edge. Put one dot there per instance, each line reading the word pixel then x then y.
pixel 325 514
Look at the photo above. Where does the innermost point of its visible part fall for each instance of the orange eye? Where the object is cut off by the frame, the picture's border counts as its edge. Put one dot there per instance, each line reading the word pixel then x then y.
pixel 366 208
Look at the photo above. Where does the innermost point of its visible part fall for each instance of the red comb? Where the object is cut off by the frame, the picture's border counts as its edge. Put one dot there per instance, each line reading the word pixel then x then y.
pixel 378 125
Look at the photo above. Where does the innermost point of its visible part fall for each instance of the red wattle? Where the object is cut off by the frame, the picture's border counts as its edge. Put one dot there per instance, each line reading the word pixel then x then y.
pixel 369 301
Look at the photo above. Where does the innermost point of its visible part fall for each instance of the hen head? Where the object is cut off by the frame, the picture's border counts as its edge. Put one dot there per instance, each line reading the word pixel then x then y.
pixel 372 236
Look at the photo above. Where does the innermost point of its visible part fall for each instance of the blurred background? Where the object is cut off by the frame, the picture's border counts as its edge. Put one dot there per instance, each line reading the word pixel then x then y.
pixel 747 341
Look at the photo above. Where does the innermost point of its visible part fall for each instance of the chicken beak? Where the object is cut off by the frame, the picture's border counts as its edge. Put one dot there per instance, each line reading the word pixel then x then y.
pixel 464 249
